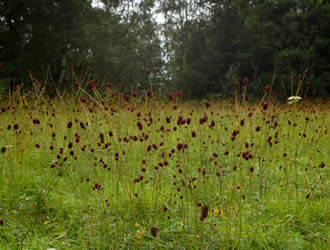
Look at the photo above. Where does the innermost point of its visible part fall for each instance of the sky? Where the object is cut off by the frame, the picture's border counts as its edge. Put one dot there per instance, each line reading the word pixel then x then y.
pixel 159 18
pixel 97 3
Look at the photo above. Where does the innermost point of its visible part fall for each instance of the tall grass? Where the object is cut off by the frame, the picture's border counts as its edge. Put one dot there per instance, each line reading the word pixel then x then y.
pixel 118 172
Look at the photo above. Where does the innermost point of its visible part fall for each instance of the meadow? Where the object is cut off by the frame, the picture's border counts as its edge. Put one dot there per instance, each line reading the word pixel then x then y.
pixel 127 171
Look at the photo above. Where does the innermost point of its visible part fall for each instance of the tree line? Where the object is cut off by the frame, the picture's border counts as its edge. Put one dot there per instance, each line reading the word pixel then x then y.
pixel 202 47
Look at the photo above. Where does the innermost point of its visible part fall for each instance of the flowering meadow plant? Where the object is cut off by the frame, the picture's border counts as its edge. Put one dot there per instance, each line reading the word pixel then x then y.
pixel 123 170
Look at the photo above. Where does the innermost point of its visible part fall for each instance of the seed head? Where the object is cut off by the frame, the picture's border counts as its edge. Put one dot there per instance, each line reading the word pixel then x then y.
pixel 267 88
pixel 171 97
pixel 207 104
pixel 245 81
pixel 205 211
pixel 154 231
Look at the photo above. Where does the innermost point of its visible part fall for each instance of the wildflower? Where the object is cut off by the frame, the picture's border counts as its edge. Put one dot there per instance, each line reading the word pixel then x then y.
pixel 171 97
pixel 235 133
pixel 82 125
pixel 148 71
pixel 149 93
pixel 178 93
pixel 264 106
pixel 203 119
pixel 245 81
pixel 76 85
pixel 267 88
pixel 179 146
pixel 102 137
pixel 154 231
pixel 69 125
pixel 205 211
pixel 126 98
pixel 92 84
pixel 36 121
pixel 294 99
pixel 207 104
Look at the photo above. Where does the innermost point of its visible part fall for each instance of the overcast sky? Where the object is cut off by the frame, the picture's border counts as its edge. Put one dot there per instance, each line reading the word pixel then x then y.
pixel 97 3
pixel 159 18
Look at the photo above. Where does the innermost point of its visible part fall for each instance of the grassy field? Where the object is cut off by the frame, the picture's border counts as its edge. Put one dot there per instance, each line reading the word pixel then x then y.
pixel 92 173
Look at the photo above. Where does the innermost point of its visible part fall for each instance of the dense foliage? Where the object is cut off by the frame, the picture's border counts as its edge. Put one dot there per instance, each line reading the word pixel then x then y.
pixel 201 47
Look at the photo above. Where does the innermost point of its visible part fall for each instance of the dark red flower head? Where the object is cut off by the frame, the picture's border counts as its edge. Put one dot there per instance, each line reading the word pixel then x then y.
pixel 92 84
pixel 267 88
pixel 264 106
pixel 205 211
pixel 150 93
pixel 171 97
pixel 108 85
pixel 148 71
pixel 154 231
pixel 207 104
pixel 245 81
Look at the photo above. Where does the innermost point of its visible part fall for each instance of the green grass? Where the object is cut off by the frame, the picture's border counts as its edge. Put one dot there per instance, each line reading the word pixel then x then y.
pixel 276 199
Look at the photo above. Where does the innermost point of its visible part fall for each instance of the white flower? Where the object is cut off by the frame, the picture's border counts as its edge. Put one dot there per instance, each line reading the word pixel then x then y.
pixel 294 99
